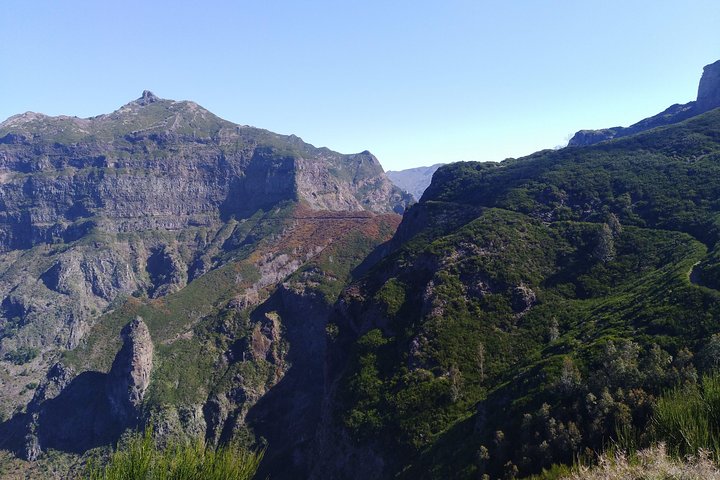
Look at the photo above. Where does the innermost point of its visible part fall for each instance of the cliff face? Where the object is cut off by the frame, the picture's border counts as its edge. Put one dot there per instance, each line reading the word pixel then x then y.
pixel 129 377
pixel 708 98
pixel 161 164
pixel 75 412
pixel 709 89
pixel 163 210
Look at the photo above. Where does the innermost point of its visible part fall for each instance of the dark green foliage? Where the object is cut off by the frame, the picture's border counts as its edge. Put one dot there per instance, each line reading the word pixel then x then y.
pixel 580 275
pixel 22 355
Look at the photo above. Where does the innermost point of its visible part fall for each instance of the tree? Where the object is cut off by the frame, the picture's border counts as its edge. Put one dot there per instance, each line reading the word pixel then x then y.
pixel 480 359
pixel 456 382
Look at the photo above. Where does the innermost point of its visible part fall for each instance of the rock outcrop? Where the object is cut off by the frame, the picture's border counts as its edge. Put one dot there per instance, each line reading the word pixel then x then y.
pixel 708 98
pixel 129 376
pixel 709 89
pixel 75 412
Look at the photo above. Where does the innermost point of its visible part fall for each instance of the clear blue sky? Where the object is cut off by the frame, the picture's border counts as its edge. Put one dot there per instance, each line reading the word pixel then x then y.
pixel 415 82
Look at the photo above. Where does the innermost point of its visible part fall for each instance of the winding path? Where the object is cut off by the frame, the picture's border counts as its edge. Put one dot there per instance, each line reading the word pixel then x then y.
pixel 694 275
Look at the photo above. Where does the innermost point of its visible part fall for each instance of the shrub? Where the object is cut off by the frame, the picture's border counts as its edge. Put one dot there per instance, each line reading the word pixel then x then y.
pixel 688 418
pixel 140 458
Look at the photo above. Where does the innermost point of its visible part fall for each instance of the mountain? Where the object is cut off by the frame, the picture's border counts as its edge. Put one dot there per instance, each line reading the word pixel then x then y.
pixel 530 310
pixel 413 180
pixel 708 98
pixel 162 266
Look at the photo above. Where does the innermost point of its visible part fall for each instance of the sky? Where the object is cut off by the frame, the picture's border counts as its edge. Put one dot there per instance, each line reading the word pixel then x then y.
pixel 415 82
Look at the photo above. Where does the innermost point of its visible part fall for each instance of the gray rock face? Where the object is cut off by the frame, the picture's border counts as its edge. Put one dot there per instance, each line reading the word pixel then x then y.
pixel 709 89
pixel 708 98
pixel 161 164
pixel 414 180
pixel 523 298
pixel 129 376
pixel 76 412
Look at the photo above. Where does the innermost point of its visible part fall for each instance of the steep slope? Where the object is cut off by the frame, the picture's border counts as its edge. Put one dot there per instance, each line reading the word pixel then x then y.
pixel 531 309
pixel 708 98
pixel 413 180
pixel 163 211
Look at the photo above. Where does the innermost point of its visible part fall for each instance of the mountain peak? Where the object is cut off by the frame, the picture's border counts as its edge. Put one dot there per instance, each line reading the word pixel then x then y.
pixel 147 98
pixel 708 98
pixel 709 88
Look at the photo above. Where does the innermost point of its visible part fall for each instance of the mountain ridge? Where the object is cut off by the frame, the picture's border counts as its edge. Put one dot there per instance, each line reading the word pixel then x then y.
pixel 708 98
pixel 163 211
pixel 520 314
pixel 496 338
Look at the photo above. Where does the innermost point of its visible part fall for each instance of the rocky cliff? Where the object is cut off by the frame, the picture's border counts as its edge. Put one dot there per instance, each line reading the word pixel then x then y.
pixel 161 164
pixel 708 98
pixel 75 412
pixel 162 210
pixel 129 376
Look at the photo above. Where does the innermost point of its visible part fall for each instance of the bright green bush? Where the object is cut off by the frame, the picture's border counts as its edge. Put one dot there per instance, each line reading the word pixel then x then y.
pixel 141 459
pixel 688 419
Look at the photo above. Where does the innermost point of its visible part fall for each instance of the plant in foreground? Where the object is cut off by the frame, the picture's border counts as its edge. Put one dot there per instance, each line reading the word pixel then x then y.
pixel 141 459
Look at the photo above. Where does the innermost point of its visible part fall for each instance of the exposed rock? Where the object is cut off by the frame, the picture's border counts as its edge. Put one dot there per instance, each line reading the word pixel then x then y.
pixel 708 98
pixel 104 274
pixel 57 378
pixel 709 89
pixel 523 298
pixel 167 271
pixel 414 180
pixel 74 413
pixel 140 202
pixel 129 376
pixel 161 164
pixel 604 250
pixel 147 98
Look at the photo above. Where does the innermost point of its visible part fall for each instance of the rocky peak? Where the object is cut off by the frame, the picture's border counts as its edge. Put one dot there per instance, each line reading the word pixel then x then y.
pixel 709 88
pixel 147 98
pixel 129 376
pixel 708 98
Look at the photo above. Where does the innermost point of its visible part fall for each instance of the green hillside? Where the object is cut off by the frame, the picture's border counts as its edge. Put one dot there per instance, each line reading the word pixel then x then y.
pixel 535 308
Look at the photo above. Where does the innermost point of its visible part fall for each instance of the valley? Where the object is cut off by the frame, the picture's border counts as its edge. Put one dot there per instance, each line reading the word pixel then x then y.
pixel 165 270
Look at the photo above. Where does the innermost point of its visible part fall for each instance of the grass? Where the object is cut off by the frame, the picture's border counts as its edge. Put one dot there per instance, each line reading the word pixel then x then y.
pixel 649 464
pixel 682 443
pixel 140 458
pixel 688 418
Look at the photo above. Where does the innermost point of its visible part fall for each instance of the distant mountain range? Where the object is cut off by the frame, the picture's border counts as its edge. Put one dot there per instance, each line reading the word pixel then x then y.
pixel 413 180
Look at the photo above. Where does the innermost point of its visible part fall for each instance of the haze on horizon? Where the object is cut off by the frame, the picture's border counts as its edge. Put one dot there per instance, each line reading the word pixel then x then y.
pixel 416 83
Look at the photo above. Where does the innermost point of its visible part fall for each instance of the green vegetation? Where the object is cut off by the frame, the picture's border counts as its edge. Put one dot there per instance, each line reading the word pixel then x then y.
pixel 539 307
pixel 687 418
pixel 22 355
pixel 140 458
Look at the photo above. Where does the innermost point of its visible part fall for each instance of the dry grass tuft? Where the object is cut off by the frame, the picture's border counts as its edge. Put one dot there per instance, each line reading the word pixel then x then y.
pixel 649 464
